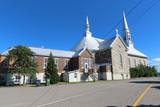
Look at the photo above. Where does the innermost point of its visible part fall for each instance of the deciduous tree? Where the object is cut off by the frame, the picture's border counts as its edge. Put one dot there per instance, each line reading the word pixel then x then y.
pixel 21 61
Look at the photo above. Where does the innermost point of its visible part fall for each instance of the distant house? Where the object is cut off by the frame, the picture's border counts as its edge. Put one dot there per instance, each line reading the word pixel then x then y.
pixel 90 59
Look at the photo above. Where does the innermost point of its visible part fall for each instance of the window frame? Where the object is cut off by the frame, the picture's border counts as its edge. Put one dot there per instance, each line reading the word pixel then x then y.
pixel 129 59
pixel 56 62
pixel 66 63
pixel 45 62
pixel 121 60
pixel 135 63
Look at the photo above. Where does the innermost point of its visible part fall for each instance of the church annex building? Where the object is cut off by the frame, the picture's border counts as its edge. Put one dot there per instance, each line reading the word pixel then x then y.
pixel 90 59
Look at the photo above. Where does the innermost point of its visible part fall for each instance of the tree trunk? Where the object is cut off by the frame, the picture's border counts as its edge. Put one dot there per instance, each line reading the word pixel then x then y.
pixel 24 79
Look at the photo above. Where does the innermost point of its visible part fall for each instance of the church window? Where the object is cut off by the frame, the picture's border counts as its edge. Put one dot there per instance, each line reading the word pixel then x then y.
pixel 85 62
pixel 94 60
pixel 140 62
pixel 121 60
pixel 129 62
pixel 45 62
pixel 82 62
pixel 66 63
pixel 90 62
pixel 135 64
pixel 144 62
pixel 56 61
pixel 33 58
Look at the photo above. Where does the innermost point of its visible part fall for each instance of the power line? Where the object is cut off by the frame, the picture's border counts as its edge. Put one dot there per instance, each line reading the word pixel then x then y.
pixel 128 13
pixel 148 9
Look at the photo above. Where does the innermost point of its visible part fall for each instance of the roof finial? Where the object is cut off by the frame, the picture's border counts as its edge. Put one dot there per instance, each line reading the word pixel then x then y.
pixel 117 31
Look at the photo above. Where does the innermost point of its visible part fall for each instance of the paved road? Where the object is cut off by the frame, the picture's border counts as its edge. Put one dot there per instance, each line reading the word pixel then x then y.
pixel 99 94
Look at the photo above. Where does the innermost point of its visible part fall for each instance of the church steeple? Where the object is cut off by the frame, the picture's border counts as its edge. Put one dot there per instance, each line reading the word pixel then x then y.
pixel 87 24
pixel 126 31
pixel 87 28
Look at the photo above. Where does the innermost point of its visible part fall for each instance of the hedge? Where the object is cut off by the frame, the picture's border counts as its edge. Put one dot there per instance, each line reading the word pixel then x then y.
pixel 143 71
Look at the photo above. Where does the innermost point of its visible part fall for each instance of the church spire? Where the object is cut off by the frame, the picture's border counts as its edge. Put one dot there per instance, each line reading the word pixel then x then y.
pixel 87 24
pixel 126 30
pixel 87 28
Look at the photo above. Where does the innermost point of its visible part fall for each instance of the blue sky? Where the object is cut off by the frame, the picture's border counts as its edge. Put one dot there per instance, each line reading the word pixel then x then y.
pixel 59 24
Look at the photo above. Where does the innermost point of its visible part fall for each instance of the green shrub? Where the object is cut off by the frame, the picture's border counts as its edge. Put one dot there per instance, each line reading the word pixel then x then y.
pixel 143 71
pixel 51 71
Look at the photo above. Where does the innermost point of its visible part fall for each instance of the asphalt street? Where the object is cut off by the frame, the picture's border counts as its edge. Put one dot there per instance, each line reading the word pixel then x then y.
pixel 124 93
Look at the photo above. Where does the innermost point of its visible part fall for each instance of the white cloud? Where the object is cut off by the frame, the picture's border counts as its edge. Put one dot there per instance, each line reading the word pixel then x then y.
pixel 155 62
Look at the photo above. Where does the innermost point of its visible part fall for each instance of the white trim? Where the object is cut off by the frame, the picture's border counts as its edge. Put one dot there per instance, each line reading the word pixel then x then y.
pixel 45 62
pixel 83 51
pixel 66 63
pixel 56 61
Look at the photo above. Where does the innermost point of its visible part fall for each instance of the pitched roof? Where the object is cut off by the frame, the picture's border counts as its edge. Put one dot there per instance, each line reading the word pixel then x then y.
pixel 109 42
pixel 78 53
pixel 46 52
pixel 133 51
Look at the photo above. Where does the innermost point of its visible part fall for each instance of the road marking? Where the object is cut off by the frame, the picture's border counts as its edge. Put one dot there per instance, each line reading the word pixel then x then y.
pixel 71 97
pixel 141 96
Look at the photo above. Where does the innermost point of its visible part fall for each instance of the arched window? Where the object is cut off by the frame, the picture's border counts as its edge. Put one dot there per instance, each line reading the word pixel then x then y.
pixel 135 64
pixel 66 63
pixel 56 61
pixel 121 60
pixel 144 62
pixel 140 62
pixel 45 62
pixel 129 62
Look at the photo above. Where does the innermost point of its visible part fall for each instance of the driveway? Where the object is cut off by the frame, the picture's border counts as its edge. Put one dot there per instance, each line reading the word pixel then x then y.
pixel 124 93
